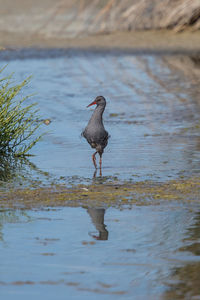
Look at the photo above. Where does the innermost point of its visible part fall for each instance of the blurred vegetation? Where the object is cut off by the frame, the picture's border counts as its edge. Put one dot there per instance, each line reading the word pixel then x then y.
pixel 18 122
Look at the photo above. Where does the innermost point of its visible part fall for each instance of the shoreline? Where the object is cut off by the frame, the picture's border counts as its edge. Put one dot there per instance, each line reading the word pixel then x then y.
pixel 138 42
pixel 112 194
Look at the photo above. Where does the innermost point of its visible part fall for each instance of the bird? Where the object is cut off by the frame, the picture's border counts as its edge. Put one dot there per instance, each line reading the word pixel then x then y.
pixel 95 133
pixel 97 216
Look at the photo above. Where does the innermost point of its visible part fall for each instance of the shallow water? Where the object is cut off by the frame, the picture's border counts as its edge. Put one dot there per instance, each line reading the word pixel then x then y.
pixel 131 254
pixel 152 114
pixel 150 107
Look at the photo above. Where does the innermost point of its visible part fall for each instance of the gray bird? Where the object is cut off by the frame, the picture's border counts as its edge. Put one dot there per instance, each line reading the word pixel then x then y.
pixel 95 133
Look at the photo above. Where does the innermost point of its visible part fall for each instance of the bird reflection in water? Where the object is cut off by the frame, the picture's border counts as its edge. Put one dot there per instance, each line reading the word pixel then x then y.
pixel 97 217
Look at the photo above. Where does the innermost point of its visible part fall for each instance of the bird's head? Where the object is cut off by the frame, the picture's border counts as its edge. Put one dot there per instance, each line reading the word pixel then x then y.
pixel 99 100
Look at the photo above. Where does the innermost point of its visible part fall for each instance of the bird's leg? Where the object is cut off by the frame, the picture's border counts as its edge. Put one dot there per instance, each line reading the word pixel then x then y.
pixel 100 164
pixel 95 173
pixel 94 160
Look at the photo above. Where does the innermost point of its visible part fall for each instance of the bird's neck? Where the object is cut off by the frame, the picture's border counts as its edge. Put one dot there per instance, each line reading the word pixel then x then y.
pixel 97 115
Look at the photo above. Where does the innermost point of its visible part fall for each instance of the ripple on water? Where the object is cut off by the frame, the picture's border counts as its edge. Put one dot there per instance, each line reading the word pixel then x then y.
pixel 152 113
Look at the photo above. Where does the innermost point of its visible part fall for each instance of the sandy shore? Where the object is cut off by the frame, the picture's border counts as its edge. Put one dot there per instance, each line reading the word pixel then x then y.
pixel 163 41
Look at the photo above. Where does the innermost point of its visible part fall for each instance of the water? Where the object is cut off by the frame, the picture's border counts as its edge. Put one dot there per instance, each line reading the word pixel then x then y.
pixel 50 252
pixel 140 252
pixel 150 106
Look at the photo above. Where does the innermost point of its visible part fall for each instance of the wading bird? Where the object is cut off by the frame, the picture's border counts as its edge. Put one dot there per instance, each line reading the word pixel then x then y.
pixel 95 133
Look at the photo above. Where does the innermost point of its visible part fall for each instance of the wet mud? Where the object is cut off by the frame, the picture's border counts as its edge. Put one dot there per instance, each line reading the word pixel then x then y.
pixel 106 195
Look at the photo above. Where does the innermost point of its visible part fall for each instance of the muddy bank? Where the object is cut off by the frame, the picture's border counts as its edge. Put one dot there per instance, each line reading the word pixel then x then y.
pixel 107 195
pixel 139 42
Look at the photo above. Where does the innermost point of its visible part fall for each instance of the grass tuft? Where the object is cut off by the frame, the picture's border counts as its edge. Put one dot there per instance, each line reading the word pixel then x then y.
pixel 18 123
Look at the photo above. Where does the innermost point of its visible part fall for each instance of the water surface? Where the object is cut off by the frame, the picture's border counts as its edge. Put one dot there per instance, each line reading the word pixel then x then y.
pixel 138 252
pixel 82 253
pixel 150 107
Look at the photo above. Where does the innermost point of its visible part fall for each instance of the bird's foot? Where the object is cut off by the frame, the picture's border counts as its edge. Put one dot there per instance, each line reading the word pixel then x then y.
pixel 95 173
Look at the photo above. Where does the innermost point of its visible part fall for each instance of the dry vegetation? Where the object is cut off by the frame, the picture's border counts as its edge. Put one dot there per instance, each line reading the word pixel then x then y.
pixel 68 18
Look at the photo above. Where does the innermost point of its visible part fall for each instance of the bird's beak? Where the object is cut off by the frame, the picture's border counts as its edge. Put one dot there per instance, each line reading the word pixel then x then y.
pixel 94 102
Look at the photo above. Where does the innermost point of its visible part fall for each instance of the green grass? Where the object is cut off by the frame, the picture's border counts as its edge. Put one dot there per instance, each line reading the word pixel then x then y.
pixel 18 123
